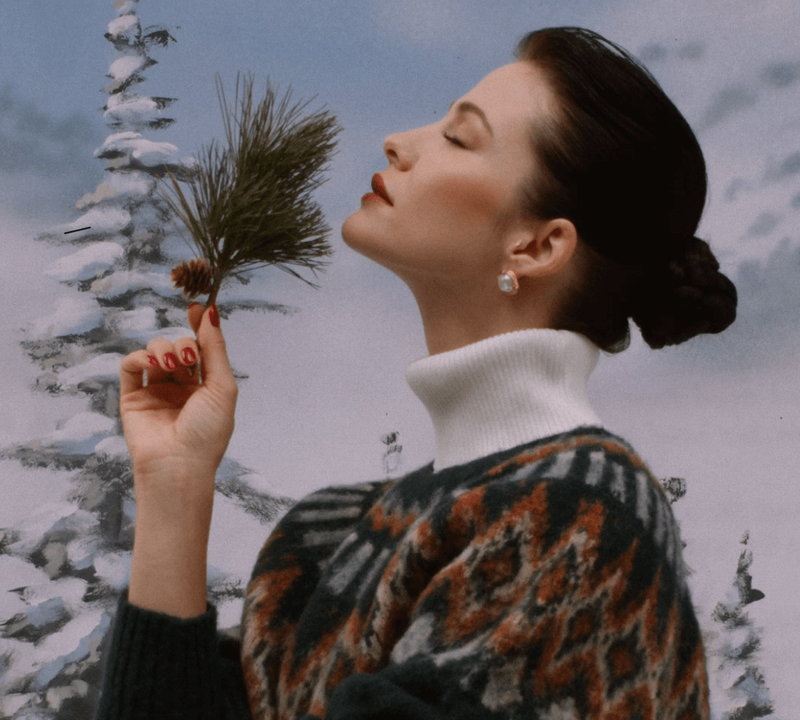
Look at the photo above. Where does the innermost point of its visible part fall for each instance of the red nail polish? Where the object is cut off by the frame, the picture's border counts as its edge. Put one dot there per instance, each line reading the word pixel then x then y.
pixel 189 358
pixel 153 360
pixel 171 361
pixel 213 315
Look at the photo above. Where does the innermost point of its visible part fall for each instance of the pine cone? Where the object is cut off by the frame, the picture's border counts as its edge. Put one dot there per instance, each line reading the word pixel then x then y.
pixel 194 277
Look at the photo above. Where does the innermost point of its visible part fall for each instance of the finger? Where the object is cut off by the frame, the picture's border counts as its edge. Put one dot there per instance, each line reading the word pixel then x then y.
pixel 187 351
pixel 216 366
pixel 164 351
pixel 195 314
pixel 132 369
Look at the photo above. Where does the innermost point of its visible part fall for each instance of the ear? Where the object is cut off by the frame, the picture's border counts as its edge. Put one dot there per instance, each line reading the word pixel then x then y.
pixel 543 249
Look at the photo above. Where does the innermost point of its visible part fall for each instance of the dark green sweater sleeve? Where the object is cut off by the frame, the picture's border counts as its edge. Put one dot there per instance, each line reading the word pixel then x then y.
pixel 159 666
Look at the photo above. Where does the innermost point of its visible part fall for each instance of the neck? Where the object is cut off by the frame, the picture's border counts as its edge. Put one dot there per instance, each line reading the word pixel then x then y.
pixel 466 311
pixel 453 320
pixel 505 391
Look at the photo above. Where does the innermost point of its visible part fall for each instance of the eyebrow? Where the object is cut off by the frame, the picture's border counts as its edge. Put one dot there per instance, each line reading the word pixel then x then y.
pixel 466 106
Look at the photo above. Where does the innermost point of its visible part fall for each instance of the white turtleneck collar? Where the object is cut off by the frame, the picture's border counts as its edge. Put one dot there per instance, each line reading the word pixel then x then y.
pixel 505 391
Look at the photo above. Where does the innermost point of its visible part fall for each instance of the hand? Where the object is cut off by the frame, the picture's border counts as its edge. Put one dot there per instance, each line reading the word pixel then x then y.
pixel 176 421
pixel 177 427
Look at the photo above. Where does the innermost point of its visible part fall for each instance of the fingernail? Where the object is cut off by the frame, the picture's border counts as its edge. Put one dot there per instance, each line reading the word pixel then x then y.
pixel 171 361
pixel 189 358
pixel 153 360
pixel 213 315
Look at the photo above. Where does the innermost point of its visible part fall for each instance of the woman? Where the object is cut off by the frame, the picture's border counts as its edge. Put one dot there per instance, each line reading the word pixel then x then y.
pixel 534 569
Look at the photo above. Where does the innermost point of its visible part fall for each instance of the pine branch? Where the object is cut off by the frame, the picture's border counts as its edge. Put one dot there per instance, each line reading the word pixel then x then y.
pixel 250 203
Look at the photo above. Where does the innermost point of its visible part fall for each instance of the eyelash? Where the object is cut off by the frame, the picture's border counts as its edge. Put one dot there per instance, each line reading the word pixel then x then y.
pixel 454 140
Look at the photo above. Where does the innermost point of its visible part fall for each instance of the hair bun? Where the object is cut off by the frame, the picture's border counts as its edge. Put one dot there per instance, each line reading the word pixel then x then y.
pixel 685 297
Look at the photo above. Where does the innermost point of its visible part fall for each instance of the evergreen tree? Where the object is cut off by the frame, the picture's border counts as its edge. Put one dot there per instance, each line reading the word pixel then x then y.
pixel 392 454
pixel 738 687
pixel 73 558
pixel 675 488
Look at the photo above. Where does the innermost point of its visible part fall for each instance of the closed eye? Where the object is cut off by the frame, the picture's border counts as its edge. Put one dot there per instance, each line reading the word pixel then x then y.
pixel 454 140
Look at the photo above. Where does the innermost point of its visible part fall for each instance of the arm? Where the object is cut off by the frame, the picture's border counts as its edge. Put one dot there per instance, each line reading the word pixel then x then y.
pixel 165 658
pixel 161 666
pixel 177 430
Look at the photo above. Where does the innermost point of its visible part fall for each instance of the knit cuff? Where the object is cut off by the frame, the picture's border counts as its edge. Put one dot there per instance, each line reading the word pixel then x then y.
pixel 160 666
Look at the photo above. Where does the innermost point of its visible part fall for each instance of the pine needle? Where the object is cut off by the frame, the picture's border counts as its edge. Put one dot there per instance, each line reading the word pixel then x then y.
pixel 251 202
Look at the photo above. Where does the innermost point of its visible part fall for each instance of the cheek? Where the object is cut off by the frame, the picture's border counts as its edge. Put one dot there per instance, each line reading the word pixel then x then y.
pixel 459 224
pixel 475 202
pixel 447 224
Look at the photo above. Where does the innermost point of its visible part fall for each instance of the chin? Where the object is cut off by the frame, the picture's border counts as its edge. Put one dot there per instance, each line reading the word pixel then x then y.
pixel 350 230
pixel 359 236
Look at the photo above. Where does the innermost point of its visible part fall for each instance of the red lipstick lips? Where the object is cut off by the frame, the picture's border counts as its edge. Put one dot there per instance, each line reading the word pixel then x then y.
pixel 380 189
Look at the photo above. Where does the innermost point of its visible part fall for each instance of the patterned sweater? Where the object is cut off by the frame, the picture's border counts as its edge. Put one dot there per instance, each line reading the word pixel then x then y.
pixel 545 581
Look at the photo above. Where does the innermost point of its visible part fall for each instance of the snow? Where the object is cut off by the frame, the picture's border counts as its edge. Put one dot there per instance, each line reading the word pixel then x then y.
pixel 174 333
pixel 124 25
pixel 87 262
pixel 102 191
pixel 140 324
pixel 116 141
pixel 126 66
pixel 114 569
pixel 81 551
pixel 68 589
pixel 9 704
pixel 100 219
pixel 100 367
pixel 47 612
pixel 736 639
pixel 751 688
pixel 123 107
pixel 33 527
pixel 81 433
pixel 154 153
pixel 55 516
pixel 147 152
pixel 113 447
pixel 56 696
pixel 131 183
pixel 16 573
pixel 125 6
pixel 88 628
pixel 122 282
pixel 73 315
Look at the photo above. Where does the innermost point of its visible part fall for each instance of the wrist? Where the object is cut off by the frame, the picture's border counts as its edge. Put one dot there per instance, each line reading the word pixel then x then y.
pixel 174 482
pixel 174 505
pixel 169 562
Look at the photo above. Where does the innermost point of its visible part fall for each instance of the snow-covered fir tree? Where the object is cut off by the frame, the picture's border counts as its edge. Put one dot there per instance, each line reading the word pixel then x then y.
pixel 392 454
pixel 738 687
pixel 71 559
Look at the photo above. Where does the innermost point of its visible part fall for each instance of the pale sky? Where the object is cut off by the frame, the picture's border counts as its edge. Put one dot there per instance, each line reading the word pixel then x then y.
pixel 326 382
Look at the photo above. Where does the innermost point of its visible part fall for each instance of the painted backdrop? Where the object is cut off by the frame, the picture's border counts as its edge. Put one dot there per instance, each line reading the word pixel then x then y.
pixel 324 388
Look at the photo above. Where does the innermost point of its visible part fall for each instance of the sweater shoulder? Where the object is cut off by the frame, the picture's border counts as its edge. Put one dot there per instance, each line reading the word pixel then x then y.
pixel 588 460
pixel 590 466
pixel 565 446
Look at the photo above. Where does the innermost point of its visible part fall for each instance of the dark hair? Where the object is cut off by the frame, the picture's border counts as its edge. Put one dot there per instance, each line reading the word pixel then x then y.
pixel 622 164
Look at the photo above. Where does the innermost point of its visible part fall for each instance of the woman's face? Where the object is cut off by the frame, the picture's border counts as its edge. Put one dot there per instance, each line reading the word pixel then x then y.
pixel 450 197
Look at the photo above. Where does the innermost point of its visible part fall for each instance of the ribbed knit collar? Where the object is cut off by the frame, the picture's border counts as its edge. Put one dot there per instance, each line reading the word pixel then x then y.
pixel 504 391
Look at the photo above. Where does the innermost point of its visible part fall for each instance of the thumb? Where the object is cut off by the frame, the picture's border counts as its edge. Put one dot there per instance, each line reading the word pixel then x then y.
pixel 216 367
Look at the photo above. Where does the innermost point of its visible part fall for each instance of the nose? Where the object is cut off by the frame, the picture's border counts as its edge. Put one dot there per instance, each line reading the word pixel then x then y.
pixel 399 150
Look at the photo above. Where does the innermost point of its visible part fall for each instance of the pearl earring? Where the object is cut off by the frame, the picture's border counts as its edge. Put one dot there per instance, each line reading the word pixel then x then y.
pixel 507 282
